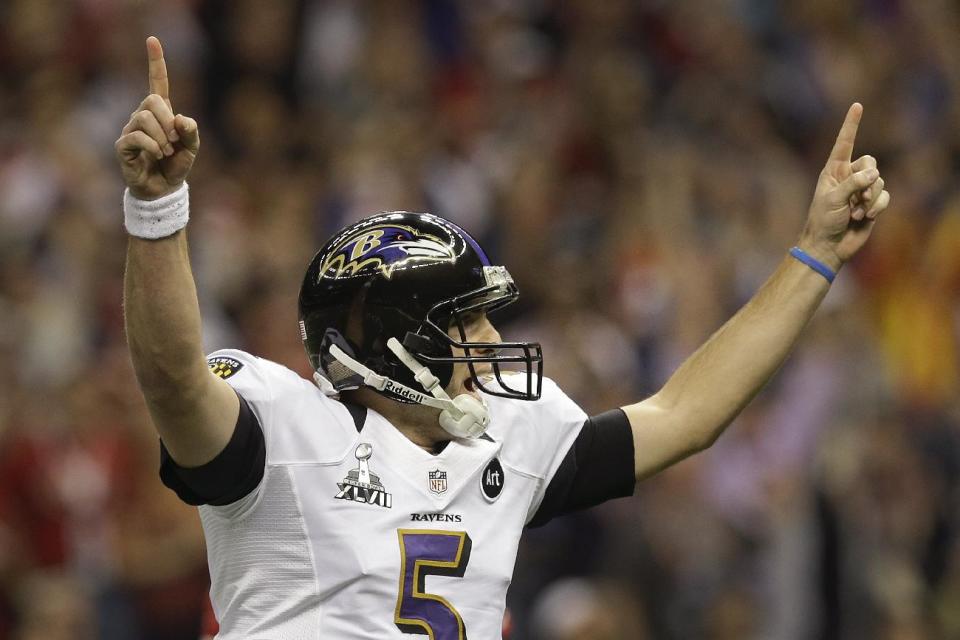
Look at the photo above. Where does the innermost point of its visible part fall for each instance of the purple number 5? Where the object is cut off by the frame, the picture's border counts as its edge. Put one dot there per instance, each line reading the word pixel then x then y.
pixel 424 553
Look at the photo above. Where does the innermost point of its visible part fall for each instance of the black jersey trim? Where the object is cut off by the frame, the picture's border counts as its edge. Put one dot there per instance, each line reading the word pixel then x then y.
pixel 359 414
pixel 598 467
pixel 231 475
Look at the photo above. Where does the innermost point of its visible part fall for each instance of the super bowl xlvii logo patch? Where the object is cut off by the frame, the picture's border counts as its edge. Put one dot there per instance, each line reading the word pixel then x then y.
pixel 362 485
pixel 438 481
pixel 224 367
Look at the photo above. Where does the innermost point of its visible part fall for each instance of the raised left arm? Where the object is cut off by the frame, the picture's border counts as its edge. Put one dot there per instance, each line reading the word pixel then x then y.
pixel 712 386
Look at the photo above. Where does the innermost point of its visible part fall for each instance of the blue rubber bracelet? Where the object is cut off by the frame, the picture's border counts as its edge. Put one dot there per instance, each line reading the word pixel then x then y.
pixel 813 263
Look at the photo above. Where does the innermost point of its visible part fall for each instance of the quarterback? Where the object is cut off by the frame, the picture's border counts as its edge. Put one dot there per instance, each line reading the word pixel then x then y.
pixel 387 496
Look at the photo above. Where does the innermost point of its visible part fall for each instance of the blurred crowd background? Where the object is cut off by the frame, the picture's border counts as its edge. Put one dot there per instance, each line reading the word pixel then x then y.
pixel 641 167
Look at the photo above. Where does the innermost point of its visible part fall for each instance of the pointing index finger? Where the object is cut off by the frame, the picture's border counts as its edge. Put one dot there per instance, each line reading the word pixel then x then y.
pixel 843 147
pixel 157 69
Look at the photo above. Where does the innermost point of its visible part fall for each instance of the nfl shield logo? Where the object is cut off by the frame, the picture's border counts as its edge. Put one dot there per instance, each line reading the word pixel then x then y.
pixel 438 481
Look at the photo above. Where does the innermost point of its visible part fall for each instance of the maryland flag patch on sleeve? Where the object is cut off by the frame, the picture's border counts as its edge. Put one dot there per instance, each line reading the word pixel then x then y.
pixel 224 367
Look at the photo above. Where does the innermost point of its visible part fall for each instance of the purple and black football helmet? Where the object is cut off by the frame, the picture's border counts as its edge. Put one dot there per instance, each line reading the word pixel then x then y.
pixel 411 276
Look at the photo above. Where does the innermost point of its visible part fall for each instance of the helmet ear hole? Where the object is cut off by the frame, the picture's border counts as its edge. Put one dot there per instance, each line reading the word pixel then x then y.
pixel 340 376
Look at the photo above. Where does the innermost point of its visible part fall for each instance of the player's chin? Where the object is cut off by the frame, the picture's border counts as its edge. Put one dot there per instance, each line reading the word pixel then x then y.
pixel 469 387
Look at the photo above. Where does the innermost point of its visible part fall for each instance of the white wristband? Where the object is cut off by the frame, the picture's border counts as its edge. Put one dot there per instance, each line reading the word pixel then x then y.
pixel 152 219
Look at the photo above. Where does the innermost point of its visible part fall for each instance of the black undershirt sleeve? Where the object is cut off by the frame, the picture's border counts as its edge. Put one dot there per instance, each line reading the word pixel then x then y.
pixel 231 475
pixel 598 467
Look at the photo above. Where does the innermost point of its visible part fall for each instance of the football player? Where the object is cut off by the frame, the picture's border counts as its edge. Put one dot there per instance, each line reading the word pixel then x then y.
pixel 387 497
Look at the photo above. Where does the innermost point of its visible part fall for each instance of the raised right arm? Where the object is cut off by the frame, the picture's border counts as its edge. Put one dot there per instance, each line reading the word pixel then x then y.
pixel 194 411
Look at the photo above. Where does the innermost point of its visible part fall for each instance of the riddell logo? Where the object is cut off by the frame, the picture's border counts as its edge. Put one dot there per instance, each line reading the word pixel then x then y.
pixel 404 392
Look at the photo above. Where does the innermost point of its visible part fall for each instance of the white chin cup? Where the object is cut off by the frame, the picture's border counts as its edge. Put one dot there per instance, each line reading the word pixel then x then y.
pixel 473 419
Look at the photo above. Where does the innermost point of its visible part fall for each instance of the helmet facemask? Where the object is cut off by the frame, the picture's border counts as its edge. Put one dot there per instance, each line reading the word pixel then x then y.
pixel 433 345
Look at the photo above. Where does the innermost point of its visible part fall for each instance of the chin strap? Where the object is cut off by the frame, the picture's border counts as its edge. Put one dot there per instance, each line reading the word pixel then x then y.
pixel 463 417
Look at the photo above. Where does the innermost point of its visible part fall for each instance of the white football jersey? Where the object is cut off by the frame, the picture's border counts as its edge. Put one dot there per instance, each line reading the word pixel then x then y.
pixel 362 534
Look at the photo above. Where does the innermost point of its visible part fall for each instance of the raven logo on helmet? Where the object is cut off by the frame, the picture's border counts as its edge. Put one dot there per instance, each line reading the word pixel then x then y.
pixel 385 247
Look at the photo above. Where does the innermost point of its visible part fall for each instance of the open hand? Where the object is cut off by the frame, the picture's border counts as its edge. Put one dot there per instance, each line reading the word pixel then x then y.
pixel 156 148
pixel 848 198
